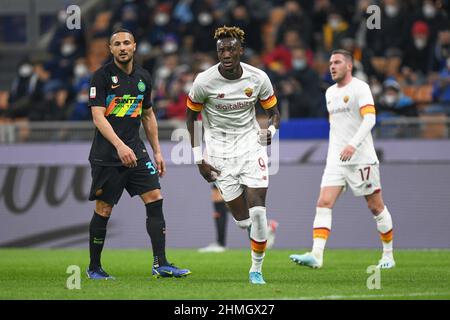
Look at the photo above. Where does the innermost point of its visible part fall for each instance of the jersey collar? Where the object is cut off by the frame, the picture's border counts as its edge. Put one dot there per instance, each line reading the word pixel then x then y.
pixel 123 72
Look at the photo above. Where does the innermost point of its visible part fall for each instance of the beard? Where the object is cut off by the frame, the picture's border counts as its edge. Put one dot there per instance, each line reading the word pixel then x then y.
pixel 124 61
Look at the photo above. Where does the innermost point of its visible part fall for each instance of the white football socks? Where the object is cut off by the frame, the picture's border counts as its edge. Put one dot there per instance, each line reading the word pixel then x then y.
pixel 384 227
pixel 321 231
pixel 258 237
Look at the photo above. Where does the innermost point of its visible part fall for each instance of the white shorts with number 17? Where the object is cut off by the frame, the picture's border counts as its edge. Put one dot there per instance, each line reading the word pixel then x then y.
pixel 363 179
pixel 250 170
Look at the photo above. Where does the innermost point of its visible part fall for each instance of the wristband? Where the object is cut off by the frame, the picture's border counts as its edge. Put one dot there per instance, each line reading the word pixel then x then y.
pixel 198 154
pixel 272 130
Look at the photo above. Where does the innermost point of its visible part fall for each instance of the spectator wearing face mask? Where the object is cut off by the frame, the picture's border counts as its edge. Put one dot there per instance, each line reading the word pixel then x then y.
pixel 27 88
pixel 160 26
pixel 334 30
pixel 202 29
pixel 21 91
pixel 79 110
pixel 441 50
pixel 62 32
pixel 441 90
pixel 309 81
pixel 417 55
pixel 393 102
pixel 434 15
pixel 240 17
pixel 80 71
pixel 132 15
pixel 393 31
pixel 62 64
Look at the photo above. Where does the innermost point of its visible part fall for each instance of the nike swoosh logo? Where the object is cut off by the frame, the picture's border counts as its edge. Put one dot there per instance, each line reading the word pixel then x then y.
pixel 113 86
pixel 168 272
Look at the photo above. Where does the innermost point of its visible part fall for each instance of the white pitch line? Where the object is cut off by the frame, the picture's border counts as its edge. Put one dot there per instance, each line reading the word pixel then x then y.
pixel 363 296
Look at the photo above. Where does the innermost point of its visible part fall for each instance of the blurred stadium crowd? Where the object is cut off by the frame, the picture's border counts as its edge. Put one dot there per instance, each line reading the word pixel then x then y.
pixel 406 62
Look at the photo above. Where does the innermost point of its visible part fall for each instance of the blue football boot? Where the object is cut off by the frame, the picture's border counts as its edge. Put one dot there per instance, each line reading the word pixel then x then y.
pixel 98 274
pixel 169 271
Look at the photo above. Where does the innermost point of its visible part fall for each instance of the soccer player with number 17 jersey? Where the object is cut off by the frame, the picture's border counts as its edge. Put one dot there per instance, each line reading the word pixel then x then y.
pixel 351 160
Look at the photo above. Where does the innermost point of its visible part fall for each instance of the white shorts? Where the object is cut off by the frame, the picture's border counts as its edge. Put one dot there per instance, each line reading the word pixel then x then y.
pixel 363 179
pixel 250 170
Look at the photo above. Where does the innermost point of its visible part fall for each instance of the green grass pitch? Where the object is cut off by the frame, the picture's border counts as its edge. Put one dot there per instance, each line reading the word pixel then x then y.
pixel 41 274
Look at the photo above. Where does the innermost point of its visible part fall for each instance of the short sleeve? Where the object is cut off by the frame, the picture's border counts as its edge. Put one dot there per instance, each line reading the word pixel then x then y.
pixel 97 90
pixel 365 100
pixel 196 97
pixel 267 96
pixel 147 102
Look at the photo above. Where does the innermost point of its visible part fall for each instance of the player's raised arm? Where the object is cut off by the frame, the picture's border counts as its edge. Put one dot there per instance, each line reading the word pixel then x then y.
pixel 126 154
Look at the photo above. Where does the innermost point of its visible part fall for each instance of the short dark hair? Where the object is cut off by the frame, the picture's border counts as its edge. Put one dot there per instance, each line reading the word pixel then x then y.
pixel 347 54
pixel 119 30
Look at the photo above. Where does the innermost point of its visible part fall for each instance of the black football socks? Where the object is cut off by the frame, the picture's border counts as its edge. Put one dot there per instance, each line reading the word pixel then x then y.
pixel 156 229
pixel 97 234
pixel 220 217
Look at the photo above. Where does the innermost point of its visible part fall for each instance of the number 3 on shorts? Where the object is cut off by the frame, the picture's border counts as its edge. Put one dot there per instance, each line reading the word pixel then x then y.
pixel 151 167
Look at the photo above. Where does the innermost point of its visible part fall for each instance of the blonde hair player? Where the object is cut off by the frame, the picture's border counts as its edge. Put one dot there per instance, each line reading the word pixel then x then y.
pixel 351 161
pixel 226 95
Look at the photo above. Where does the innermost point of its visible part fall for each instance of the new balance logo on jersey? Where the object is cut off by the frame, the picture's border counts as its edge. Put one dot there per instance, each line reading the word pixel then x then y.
pixel 220 96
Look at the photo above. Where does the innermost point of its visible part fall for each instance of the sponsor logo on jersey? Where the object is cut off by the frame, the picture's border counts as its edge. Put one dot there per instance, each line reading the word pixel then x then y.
pixel 248 92
pixel 234 106
pixel 339 110
pixel 125 106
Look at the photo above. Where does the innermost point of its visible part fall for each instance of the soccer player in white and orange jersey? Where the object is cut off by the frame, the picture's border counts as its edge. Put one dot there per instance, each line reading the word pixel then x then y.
pixel 351 160
pixel 226 95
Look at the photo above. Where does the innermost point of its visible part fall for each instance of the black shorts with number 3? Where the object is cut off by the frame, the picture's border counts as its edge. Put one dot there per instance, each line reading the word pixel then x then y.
pixel 108 182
